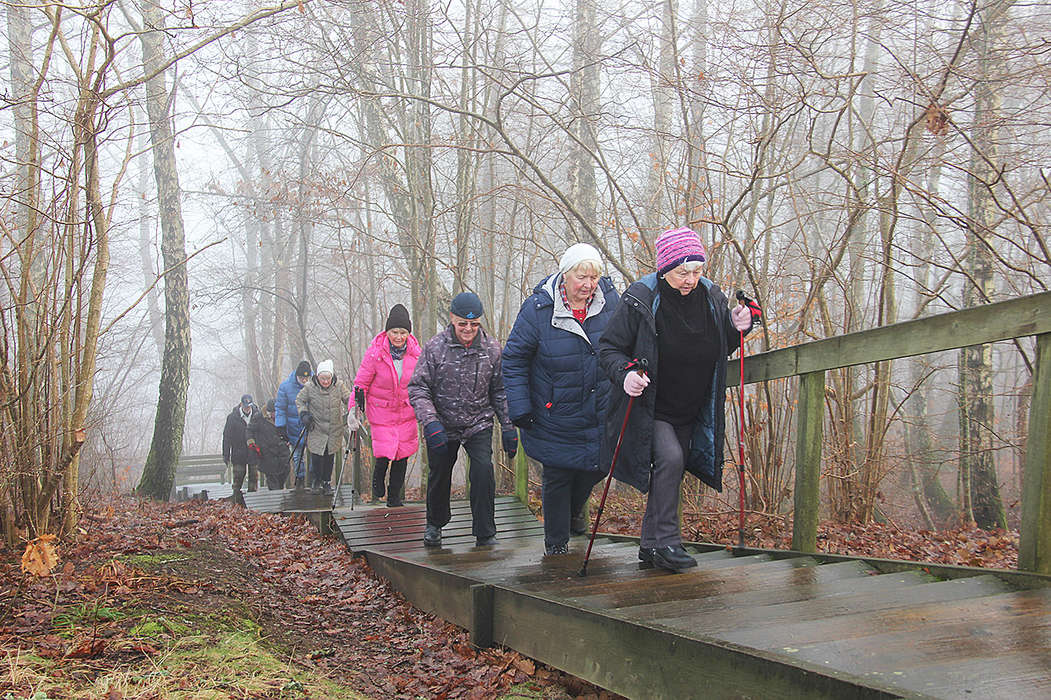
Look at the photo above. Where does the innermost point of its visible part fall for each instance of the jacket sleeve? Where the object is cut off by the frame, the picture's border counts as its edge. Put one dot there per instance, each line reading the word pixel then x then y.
pixel 280 413
pixel 420 395
pixel 366 371
pixel 226 440
pixel 617 343
pixel 497 395
pixel 517 361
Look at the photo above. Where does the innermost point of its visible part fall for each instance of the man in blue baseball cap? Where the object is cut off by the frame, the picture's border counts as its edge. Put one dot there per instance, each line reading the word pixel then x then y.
pixel 457 392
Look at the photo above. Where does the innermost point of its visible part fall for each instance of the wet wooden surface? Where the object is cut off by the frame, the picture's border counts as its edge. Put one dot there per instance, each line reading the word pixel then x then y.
pixel 904 634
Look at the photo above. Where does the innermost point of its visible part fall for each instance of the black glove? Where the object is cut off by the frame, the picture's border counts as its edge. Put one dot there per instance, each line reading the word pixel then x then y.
pixel 509 438
pixel 524 422
pixel 434 434
pixel 307 419
pixel 359 398
pixel 282 433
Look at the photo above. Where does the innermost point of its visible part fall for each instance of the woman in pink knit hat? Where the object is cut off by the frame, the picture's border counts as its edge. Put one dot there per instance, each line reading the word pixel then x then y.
pixel 681 323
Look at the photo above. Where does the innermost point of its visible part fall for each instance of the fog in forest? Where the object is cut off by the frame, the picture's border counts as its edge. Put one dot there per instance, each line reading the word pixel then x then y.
pixel 307 165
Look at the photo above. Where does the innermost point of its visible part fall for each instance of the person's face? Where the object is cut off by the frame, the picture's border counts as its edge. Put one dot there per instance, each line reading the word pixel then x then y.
pixel 580 285
pixel 466 329
pixel 325 380
pixel 398 337
pixel 682 279
pixel 302 380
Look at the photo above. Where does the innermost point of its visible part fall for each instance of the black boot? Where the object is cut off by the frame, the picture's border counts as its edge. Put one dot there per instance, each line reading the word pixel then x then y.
pixel 379 475
pixel 397 482
pixel 671 557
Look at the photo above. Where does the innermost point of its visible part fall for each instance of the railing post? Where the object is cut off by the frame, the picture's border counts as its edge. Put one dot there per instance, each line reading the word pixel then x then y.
pixel 809 429
pixel 521 476
pixel 1034 547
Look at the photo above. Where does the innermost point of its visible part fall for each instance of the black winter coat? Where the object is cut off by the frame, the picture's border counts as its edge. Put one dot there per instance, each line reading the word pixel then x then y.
pixel 631 334
pixel 235 438
pixel 274 461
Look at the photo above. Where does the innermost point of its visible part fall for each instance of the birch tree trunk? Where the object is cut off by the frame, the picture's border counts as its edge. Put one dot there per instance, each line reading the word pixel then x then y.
pixel 159 473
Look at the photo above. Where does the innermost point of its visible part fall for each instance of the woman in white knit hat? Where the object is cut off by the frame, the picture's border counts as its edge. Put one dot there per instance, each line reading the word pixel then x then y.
pixel 556 392
pixel 322 406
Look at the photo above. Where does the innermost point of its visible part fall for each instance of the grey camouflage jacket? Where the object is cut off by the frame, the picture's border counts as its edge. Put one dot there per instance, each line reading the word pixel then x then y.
pixel 461 388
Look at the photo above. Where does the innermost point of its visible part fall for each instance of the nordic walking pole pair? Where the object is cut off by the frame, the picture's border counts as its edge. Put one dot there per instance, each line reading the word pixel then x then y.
pixel 639 366
pixel 757 314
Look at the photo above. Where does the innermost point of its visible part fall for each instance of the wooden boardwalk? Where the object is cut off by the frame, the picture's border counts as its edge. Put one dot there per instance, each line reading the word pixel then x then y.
pixel 741 625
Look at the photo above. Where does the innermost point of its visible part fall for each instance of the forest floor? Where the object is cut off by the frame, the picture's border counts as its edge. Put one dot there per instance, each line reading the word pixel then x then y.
pixel 207 600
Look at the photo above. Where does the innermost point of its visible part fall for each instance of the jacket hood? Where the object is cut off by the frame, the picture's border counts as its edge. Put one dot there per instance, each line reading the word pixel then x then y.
pixel 380 343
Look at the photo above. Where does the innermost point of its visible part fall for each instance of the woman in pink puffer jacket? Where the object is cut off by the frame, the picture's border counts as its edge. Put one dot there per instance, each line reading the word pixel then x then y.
pixel 380 389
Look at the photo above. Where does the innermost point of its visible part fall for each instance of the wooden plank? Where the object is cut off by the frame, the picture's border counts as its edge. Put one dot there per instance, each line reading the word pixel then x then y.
pixel 641 661
pixel 809 429
pixel 917 608
pixel 769 617
pixel 698 584
pixel 771 590
pixel 1034 547
pixel 989 323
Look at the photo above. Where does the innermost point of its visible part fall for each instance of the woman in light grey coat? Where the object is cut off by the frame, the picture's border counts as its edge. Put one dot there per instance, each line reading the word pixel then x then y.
pixel 322 406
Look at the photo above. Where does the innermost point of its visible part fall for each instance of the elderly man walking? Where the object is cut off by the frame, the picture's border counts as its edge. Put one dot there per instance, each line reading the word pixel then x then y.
pixel 457 391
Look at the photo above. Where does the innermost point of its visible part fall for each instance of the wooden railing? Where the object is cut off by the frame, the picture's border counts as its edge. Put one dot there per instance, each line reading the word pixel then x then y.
pixel 1022 317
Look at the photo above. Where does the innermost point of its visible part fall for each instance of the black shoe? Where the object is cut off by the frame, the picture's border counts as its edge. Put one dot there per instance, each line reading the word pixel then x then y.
pixel 432 536
pixel 578 525
pixel 672 557
pixel 557 549
pixel 646 554
pixel 485 541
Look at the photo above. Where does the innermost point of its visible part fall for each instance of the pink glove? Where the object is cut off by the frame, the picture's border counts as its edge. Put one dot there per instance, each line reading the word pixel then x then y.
pixel 635 383
pixel 741 317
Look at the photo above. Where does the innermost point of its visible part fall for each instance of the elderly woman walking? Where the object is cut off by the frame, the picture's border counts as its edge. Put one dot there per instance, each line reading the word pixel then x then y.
pixel 381 391
pixel 556 392
pixel 681 323
pixel 322 406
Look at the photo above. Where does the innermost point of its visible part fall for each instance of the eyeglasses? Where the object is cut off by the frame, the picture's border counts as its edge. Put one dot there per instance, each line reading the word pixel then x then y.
pixel 468 324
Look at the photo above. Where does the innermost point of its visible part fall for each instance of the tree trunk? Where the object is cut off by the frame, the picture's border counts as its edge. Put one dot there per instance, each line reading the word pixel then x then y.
pixel 159 473
pixel 976 374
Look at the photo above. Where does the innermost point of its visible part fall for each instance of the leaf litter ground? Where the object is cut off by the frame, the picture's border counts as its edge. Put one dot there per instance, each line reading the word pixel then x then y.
pixel 202 600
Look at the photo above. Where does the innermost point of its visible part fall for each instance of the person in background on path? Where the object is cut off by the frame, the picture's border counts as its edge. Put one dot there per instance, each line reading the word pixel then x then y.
pixel 381 391
pixel 457 390
pixel 235 446
pixel 556 392
pixel 322 406
pixel 286 418
pixel 681 323
pixel 266 441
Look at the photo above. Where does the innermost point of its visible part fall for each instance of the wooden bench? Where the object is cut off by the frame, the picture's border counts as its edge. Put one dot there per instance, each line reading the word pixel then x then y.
pixel 191 470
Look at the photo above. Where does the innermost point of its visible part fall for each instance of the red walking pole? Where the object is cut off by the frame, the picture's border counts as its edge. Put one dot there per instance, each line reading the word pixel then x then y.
pixel 640 367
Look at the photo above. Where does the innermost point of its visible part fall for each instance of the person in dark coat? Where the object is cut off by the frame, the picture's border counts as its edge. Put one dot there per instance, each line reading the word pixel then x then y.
pixel 286 417
pixel 235 445
pixel 556 392
pixel 681 323
pixel 457 391
pixel 266 440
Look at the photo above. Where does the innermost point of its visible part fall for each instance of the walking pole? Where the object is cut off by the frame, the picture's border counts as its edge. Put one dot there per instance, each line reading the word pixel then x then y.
pixel 756 314
pixel 640 367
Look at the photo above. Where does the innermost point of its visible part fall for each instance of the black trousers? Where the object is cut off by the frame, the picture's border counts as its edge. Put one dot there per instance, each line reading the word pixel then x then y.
pixel 321 468
pixel 397 479
pixel 479 448
pixel 563 494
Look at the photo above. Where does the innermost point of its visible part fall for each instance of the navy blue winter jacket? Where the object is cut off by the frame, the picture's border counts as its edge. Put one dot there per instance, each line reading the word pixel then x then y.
pixel 551 371
pixel 285 412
